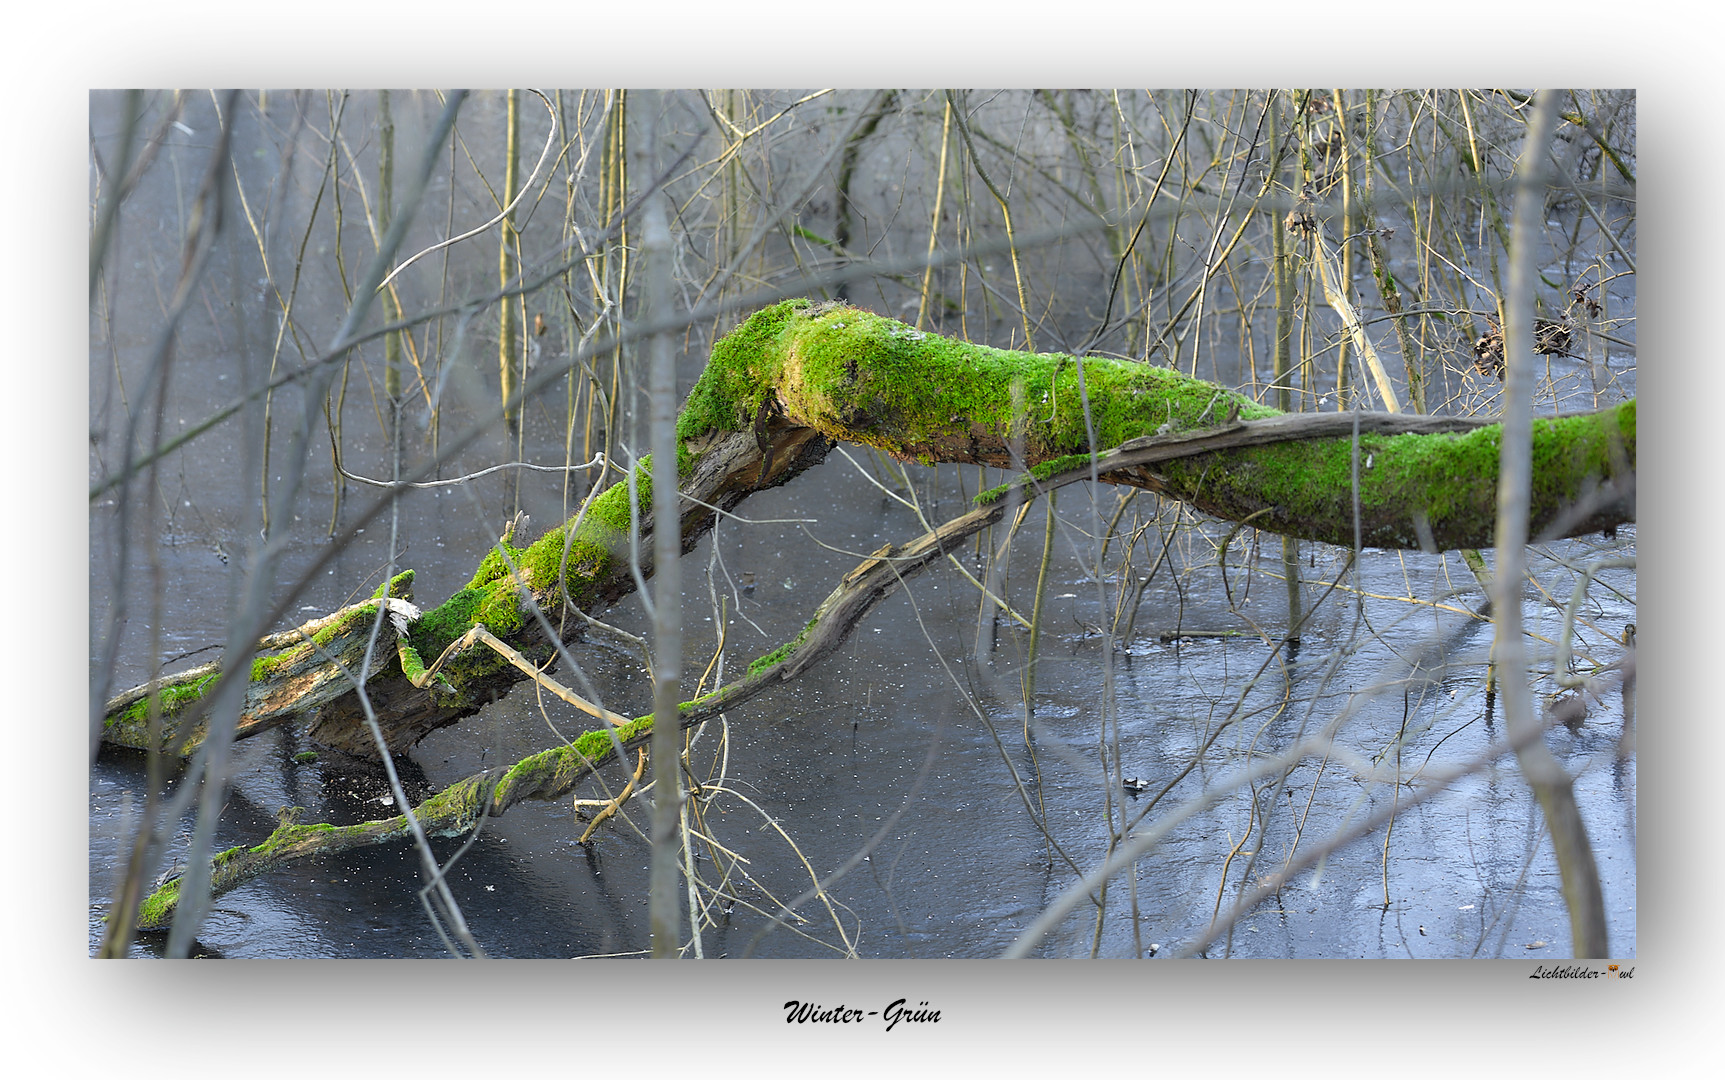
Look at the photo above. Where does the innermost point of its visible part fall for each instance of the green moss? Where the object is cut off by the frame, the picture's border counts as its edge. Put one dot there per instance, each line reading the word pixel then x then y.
pixel 400 586
pixel 1060 465
pixel 762 663
pixel 499 609
pixel 492 596
pixel 1043 471
pixel 438 628
pixel 157 910
pixel 494 605
pixel 741 370
pixel 491 567
pixel 858 376
pixel 350 620
pixel 174 699
pixel 264 667
pixel 283 836
pixel 451 811
pixel 305 757
pixel 553 768
pixel 412 665
pixel 880 381
pixel 1450 478
pixel 611 510
pixel 595 746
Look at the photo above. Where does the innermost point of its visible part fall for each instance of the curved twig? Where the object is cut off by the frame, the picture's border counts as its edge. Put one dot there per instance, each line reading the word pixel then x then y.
pixel 550 140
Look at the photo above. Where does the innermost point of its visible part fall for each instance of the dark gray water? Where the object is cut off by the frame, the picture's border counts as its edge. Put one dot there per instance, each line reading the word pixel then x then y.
pixel 883 730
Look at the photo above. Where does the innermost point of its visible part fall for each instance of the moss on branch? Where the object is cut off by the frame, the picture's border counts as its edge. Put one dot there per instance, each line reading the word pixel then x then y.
pixel 859 377
pixel 795 375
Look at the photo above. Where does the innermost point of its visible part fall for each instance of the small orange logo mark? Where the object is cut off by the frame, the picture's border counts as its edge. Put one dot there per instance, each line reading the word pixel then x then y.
pixel 1612 967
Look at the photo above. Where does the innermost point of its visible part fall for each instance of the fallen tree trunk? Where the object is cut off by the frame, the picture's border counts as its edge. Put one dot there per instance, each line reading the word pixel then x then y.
pixel 794 379
pixel 778 392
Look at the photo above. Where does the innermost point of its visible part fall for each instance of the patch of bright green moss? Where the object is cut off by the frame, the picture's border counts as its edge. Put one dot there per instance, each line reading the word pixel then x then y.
pixel 880 381
pixel 492 596
pixel 412 665
pixel 741 371
pixel 400 586
pixel 549 769
pixel 174 699
pixel 363 613
pixel 264 666
pixel 761 663
pixel 595 746
pixel 1451 478
pixel 1060 464
pixel 157 910
pixel 438 628
pixel 493 566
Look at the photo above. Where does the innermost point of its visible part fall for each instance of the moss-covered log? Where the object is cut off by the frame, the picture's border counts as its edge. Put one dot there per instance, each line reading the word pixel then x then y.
pixel 795 378
pixel 775 395
pixel 857 377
